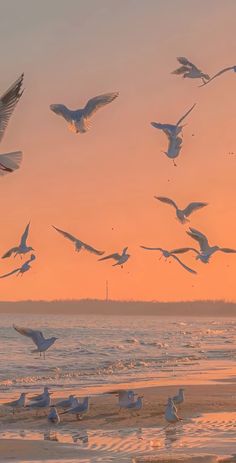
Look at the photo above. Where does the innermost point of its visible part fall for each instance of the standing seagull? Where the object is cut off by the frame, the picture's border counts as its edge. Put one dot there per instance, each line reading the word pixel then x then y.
pixel 206 251
pixel 41 396
pixel 79 120
pixel 168 254
pixel 8 101
pixel 172 130
pixel 134 406
pixel 21 270
pixel 53 416
pixel 120 258
pixel 39 340
pixel 22 248
pixel 230 68
pixel 79 410
pixel 179 398
pixel 78 243
pixel 170 414
pixel 189 70
pixel 182 214
pixel 16 404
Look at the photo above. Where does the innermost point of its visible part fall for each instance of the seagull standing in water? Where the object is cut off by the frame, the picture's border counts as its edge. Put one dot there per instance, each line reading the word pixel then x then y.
pixel 68 403
pixel 229 68
pixel 21 270
pixel 172 130
pixel 79 120
pixel 206 251
pixel 168 254
pixel 38 338
pixel 188 69
pixel 135 406
pixel 22 248
pixel 171 414
pixel 179 398
pixel 182 214
pixel 79 410
pixel 170 403
pixel 120 258
pixel 78 243
pixel 16 404
pixel 53 416
pixel 8 101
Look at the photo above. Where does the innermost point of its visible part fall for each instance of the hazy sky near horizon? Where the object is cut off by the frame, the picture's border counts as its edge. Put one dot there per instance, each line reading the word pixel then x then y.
pixel 100 186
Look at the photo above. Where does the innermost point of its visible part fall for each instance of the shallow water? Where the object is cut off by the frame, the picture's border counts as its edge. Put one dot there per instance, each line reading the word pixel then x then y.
pixel 105 350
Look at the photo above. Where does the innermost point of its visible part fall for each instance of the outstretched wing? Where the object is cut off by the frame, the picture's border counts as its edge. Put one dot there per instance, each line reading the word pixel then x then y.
pixel 25 235
pixel 183 250
pixel 10 252
pixel 190 270
pixel 10 162
pixel 115 256
pixel 151 249
pixel 193 207
pixel 98 102
pixel 66 235
pixel 200 238
pixel 180 70
pixel 91 249
pixel 185 62
pixel 230 68
pixel 165 200
pixel 11 273
pixel 228 250
pixel 185 115
pixel 8 102
pixel 36 336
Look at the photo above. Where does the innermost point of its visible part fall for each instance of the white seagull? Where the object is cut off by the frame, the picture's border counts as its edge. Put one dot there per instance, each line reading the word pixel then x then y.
pixel 79 410
pixel 16 404
pixel 170 403
pixel 120 258
pixel 78 243
pixel 22 248
pixel 206 251
pixel 38 338
pixel 182 214
pixel 21 270
pixel 41 396
pixel 79 120
pixel 171 415
pixel 53 416
pixel 172 130
pixel 44 403
pixel 168 254
pixel 179 398
pixel 188 69
pixel 229 68
pixel 8 101
pixel 174 147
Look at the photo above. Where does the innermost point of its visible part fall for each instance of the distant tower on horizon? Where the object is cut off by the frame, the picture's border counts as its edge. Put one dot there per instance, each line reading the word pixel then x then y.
pixel 107 291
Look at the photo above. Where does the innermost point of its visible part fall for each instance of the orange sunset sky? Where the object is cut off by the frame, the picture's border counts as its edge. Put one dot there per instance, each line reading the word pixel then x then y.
pixel 100 186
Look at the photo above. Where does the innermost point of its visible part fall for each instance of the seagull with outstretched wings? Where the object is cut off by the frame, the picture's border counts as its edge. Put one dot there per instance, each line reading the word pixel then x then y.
pixel 182 214
pixel 229 68
pixel 119 258
pixel 170 254
pixel 188 69
pixel 21 270
pixel 22 248
pixel 37 337
pixel 78 243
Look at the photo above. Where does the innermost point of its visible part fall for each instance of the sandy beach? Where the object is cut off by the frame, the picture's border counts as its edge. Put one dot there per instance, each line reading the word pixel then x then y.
pixel 105 433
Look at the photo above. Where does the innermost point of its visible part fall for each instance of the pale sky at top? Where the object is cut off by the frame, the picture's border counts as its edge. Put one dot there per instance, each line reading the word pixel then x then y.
pixel 100 186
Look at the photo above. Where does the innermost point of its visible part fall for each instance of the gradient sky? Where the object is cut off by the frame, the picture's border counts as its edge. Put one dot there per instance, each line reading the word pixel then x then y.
pixel 100 186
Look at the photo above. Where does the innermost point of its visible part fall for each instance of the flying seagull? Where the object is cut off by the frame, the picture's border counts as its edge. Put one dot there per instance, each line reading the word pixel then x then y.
pixel 39 340
pixel 22 248
pixel 174 147
pixel 120 258
pixel 230 68
pixel 79 120
pixel 182 214
pixel 167 255
pixel 188 69
pixel 172 129
pixel 10 162
pixel 20 270
pixel 8 102
pixel 206 251
pixel 78 243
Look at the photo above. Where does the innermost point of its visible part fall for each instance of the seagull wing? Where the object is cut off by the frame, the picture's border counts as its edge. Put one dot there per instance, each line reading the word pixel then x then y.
pixel 180 70
pixel 91 249
pixel 183 265
pixel 185 62
pixel 10 252
pixel 36 336
pixel 217 75
pixel 10 162
pixel 193 207
pixel 167 201
pixel 25 235
pixel 66 235
pixel 98 102
pixel 11 273
pixel 227 250
pixel 185 115
pixel 115 256
pixel 8 102
pixel 200 238
pixel 151 249
pixel 183 250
